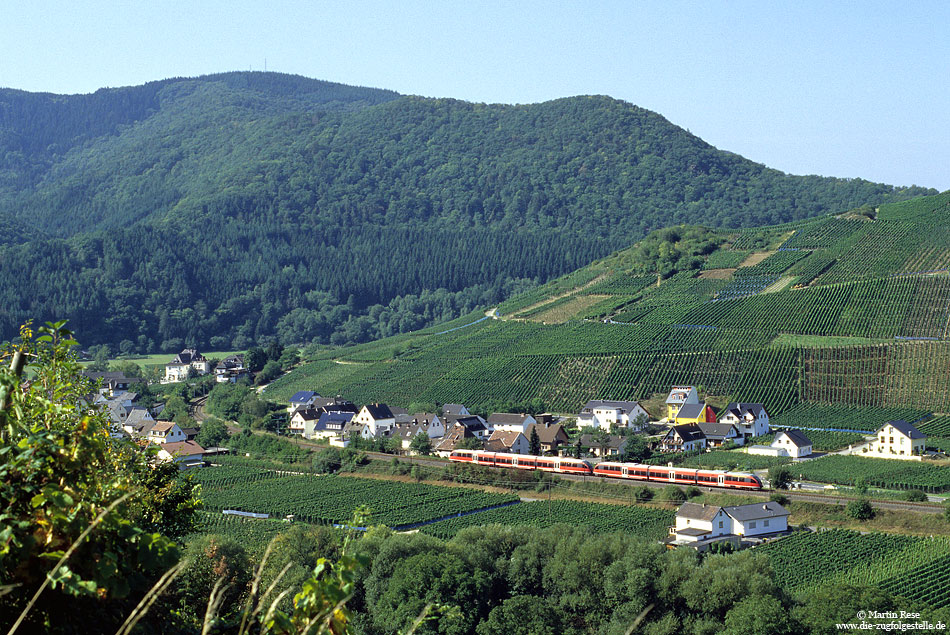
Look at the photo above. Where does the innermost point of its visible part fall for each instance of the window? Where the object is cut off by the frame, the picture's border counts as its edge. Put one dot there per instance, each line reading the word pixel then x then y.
pixel 752 525
pixel 720 524
pixel 765 524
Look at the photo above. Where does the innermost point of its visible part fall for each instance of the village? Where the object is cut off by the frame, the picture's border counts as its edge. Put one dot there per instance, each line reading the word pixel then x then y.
pixel 602 430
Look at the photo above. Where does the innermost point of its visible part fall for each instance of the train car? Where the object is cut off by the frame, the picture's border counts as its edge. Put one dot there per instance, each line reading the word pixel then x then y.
pixel 612 469
pixel 677 475
pixel 563 465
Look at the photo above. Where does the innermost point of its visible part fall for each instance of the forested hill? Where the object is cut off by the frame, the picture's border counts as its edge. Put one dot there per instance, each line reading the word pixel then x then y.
pixel 247 205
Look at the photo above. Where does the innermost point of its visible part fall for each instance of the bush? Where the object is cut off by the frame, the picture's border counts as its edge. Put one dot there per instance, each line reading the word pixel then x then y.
pixel 860 509
pixel 674 494
pixel 643 494
pixel 692 491
pixel 916 496
pixel 780 477
pixel 781 499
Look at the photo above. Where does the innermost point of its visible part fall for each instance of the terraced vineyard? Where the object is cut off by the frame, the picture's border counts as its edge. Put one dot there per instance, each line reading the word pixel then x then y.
pixel 887 473
pixel 904 565
pixel 734 460
pixel 333 499
pixel 866 328
pixel 648 522
pixel 867 419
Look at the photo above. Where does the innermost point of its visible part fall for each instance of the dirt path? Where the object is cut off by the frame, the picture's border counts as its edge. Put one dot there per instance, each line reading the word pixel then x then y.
pixel 587 285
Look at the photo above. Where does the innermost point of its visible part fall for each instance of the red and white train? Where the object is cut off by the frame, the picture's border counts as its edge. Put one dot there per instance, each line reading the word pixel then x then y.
pixel 627 471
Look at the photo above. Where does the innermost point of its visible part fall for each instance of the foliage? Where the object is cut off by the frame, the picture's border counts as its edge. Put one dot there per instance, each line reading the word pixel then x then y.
pixel 860 509
pixel 374 171
pixel 780 477
pixel 63 475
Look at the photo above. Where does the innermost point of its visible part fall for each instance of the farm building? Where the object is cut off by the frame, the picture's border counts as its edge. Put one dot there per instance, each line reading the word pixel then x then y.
pixel 700 525
pixel 897 440
pixel 791 443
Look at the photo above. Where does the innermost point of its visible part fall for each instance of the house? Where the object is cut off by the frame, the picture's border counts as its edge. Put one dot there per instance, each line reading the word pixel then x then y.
pixel 334 404
pixel 300 418
pixel 750 419
pixel 551 435
pixel 476 425
pixel 230 369
pixel 758 519
pixel 718 434
pixel 190 433
pixel 456 409
pixel 510 441
pixel 113 383
pixel 603 414
pixel 378 417
pixel 793 442
pixel 695 413
pixel 184 363
pixel 895 440
pixel 510 422
pixel 428 422
pixel 327 426
pixel 700 525
pixel 302 399
pixel 683 438
pixel 697 523
pixel 453 437
pixel 186 453
pixel 138 421
pixel 680 396
pixel 166 432
pixel 612 445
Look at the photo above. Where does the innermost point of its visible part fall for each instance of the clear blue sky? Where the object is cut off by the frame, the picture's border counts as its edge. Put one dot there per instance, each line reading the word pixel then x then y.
pixel 837 88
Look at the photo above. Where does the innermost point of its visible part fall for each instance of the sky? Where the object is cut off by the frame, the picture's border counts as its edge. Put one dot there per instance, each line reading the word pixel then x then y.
pixel 836 88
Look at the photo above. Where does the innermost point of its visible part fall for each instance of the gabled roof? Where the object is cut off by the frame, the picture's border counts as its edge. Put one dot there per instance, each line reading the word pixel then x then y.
pixel 137 413
pixel 613 441
pixel 163 426
pixel 679 394
pixel 306 414
pixel 452 439
pixel 696 511
pixel 338 419
pixel 797 437
pixel 907 429
pixel 504 438
pixel 740 409
pixel 691 411
pixel 182 448
pixel 472 423
pixel 625 406
pixel 771 509
pixel 688 432
pixel 716 430
pixel 507 418
pixel 547 434
pixel 379 411
pixel 303 396
pixel 187 356
pixel 453 409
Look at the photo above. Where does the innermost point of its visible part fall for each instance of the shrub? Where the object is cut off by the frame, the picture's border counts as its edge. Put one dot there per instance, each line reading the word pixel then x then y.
pixel 915 495
pixel 643 494
pixel 860 509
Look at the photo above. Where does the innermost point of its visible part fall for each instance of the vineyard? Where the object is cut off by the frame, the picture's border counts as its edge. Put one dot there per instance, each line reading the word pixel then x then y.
pixel 886 473
pixel 251 533
pixel 648 522
pixel 733 460
pixel 812 318
pixel 333 499
pixel 907 566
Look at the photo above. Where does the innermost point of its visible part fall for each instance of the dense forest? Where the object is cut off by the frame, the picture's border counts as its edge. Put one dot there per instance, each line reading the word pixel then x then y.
pixel 227 209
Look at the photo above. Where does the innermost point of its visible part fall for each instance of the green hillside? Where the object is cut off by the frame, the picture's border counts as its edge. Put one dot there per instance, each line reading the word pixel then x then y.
pixel 222 210
pixel 835 319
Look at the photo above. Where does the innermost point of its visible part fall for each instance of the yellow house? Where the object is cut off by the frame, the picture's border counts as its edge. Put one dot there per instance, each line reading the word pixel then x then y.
pixel 897 439
pixel 680 396
pixel 695 413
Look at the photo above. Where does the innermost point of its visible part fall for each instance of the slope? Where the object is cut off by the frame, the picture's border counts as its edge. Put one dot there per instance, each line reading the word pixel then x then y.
pixel 855 326
pixel 246 206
